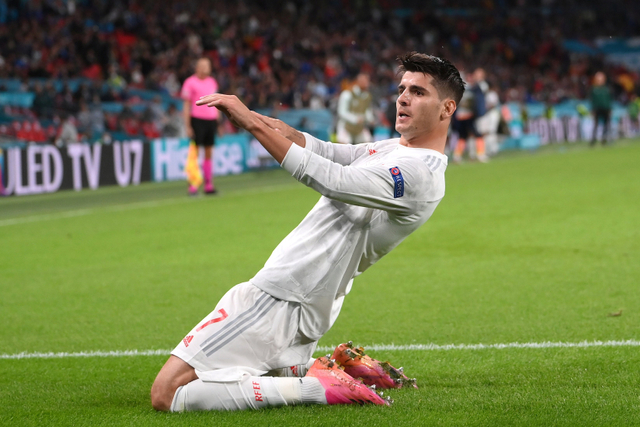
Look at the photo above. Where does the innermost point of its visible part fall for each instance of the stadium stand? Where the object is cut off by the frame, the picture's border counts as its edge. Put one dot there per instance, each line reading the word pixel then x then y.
pixel 117 66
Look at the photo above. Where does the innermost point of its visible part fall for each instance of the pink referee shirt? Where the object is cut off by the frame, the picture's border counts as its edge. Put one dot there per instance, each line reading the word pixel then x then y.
pixel 192 89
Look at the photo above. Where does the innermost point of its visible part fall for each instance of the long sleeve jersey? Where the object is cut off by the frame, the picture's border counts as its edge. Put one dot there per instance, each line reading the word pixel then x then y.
pixel 373 196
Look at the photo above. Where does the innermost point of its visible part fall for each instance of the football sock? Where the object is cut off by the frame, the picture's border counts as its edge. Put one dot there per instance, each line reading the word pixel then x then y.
pixel 252 393
pixel 312 391
pixel 207 171
pixel 480 147
pixel 459 148
pixel 298 371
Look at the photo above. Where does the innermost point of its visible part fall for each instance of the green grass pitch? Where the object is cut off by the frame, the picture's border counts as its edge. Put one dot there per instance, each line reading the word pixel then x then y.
pixel 530 248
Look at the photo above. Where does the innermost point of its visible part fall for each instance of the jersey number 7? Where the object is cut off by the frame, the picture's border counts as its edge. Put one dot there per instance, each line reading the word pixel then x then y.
pixel 223 315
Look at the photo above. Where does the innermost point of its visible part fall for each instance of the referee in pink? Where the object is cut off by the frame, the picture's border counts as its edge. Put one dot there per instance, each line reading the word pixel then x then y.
pixel 201 122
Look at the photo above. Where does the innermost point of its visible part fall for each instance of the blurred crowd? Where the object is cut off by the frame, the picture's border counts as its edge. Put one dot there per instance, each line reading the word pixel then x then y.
pixel 298 54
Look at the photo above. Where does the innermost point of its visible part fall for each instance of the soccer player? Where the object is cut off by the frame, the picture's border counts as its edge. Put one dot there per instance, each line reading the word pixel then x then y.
pixel 472 106
pixel 373 196
pixel 201 123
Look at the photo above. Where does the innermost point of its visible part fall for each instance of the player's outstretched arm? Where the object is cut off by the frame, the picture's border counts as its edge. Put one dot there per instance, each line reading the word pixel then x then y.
pixel 339 153
pixel 284 129
pixel 275 143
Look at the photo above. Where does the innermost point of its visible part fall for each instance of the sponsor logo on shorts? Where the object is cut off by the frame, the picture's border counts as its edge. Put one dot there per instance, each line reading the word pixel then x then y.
pixel 186 340
pixel 398 182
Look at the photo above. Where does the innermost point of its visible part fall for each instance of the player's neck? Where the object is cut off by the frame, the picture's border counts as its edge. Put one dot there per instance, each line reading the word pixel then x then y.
pixel 433 141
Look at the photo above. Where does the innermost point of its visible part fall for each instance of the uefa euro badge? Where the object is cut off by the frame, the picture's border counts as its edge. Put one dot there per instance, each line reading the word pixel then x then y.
pixel 398 182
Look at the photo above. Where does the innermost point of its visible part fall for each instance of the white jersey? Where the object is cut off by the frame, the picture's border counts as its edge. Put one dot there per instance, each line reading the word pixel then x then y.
pixel 374 195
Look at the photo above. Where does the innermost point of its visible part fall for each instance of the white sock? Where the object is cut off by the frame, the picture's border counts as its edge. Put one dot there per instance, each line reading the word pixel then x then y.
pixel 312 391
pixel 252 393
pixel 295 371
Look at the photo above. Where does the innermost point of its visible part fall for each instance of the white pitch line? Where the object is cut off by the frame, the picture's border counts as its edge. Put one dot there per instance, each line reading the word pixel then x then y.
pixel 532 345
pixel 374 347
pixel 65 355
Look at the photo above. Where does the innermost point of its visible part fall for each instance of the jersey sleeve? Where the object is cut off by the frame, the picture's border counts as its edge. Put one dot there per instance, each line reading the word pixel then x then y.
pixel 399 188
pixel 343 154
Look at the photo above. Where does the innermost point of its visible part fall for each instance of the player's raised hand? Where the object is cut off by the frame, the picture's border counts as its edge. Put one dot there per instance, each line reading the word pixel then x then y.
pixel 239 115
pixel 282 128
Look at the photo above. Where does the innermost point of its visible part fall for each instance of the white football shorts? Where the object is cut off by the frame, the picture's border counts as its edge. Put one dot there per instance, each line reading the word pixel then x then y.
pixel 248 328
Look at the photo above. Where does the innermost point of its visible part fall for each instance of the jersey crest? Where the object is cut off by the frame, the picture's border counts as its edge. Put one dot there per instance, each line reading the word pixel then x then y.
pixel 398 182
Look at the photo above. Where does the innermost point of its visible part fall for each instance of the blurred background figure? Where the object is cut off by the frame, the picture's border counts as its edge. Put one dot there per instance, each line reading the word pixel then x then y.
pixel 600 97
pixel 172 125
pixel 201 122
pixel 355 112
pixel 488 124
pixel 390 111
pixel 633 109
pixel 68 131
pixel 471 107
pixel 84 120
pixel 43 101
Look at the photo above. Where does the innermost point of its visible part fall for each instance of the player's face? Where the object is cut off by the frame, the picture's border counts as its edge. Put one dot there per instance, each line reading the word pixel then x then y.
pixel 363 81
pixel 203 67
pixel 419 107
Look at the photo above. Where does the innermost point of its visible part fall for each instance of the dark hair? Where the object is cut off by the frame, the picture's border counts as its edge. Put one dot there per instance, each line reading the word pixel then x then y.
pixel 446 77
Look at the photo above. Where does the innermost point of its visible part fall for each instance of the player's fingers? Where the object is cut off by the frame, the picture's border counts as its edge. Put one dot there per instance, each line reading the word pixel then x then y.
pixel 206 99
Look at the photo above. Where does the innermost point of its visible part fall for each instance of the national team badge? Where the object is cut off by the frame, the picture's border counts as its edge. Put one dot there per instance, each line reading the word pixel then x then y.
pixel 398 182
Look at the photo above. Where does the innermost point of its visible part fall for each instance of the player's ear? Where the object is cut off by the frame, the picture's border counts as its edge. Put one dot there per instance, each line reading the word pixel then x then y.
pixel 448 108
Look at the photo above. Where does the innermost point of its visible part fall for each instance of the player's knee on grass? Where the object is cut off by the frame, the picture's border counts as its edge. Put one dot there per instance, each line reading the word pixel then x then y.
pixel 175 373
pixel 160 399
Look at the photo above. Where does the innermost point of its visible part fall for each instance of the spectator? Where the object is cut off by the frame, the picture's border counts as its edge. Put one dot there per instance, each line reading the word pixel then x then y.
pixel 43 101
pixel 85 120
pixel 68 131
pixel 157 113
pixel 115 80
pixel 173 123
pixel 97 117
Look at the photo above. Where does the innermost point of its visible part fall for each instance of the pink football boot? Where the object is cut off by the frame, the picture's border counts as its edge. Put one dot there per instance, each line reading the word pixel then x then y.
pixel 340 388
pixel 372 372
